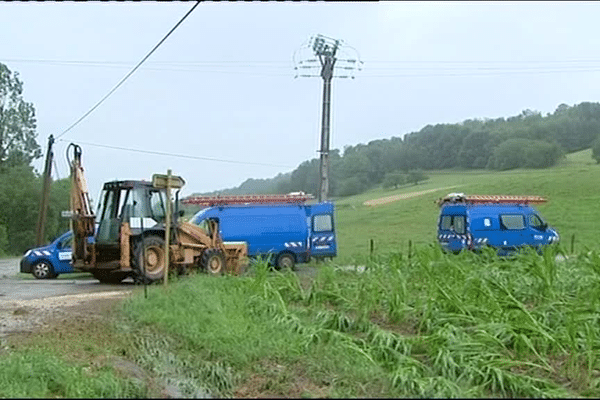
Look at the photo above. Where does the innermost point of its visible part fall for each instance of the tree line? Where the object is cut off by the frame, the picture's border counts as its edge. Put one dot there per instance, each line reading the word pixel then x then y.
pixel 20 185
pixel 528 140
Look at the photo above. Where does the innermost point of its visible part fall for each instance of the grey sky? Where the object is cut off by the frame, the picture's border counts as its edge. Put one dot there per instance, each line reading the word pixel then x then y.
pixel 424 63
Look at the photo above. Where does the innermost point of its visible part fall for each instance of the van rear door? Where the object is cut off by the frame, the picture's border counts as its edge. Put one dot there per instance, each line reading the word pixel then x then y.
pixel 322 238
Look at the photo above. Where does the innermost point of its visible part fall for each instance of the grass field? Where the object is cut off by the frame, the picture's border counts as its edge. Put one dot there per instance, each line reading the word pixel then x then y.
pixel 571 189
pixel 410 324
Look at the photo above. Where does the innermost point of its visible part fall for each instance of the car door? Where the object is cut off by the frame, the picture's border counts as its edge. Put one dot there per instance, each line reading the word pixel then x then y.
pixel 63 254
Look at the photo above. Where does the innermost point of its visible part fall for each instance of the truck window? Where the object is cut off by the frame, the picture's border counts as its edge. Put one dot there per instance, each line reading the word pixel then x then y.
pixel 512 221
pixel 322 223
pixel 459 224
pixel 157 204
pixel 446 222
pixel 110 204
pixel 535 222
pixel 454 222
pixel 204 225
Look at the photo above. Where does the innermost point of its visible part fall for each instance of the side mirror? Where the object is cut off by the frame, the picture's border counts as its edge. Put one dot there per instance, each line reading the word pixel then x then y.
pixel 181 213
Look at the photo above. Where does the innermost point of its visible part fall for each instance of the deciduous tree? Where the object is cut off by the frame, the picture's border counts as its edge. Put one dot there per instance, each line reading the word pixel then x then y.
pixel 18 143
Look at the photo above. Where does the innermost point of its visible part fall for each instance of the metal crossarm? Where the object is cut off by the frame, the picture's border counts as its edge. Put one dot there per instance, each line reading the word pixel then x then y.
pixel 247 199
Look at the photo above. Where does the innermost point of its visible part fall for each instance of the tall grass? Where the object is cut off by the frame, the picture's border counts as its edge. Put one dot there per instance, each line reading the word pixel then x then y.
pixel 435 325
pixel 38 374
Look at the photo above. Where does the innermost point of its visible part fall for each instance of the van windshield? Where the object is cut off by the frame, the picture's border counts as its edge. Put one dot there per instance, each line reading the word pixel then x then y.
pixel 455 223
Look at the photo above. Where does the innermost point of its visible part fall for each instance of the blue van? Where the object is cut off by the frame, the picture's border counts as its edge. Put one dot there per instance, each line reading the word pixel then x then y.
pixel 506 223
pixel 49 261
pixel 287 233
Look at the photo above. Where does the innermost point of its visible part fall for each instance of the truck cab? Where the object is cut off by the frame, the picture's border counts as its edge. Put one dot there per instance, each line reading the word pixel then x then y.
pixel 505 223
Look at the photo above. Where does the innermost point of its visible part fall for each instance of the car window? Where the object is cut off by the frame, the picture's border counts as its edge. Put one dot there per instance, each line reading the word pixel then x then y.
pixel 512 221
pixel 65 242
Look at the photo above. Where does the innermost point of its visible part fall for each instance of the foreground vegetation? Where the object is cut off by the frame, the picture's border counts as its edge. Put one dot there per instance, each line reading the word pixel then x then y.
pixel 424 324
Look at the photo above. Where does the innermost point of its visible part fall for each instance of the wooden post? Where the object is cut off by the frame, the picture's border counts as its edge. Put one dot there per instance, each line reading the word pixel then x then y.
pixel 371 248
pixel 572 243
pixel 168 227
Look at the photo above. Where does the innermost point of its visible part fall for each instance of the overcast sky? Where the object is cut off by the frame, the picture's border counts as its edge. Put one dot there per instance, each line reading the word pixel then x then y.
pixel 222 86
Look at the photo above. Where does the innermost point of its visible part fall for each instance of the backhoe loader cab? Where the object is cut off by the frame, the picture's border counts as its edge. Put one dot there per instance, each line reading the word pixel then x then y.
pixel 126 236
pixel 137 203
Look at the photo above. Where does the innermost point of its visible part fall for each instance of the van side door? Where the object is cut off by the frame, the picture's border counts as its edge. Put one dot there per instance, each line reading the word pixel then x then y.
pixel 537 230
pixel 514 232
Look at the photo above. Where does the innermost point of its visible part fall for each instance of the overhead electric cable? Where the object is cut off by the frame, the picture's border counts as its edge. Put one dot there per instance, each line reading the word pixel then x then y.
pixel 130 73
pixel 161 153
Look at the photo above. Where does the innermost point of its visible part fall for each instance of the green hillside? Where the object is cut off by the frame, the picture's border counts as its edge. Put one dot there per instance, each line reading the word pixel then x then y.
pixel 571 188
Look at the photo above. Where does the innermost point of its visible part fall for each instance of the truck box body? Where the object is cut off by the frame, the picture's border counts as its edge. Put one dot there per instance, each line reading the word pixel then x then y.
pixel 505 227
pixel 302 230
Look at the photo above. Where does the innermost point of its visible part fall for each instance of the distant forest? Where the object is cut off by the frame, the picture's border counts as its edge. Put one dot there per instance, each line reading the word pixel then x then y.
pixel 528 140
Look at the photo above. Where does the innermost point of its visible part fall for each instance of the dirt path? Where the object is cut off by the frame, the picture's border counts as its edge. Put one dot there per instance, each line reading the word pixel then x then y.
pixel 20 316
pixel 389 199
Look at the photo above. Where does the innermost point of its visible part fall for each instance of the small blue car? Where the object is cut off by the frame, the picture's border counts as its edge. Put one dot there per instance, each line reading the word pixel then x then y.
pixel 49 261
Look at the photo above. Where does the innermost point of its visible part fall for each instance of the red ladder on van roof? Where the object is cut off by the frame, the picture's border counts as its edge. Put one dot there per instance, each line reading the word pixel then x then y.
pixel 248 199
pixel 482 199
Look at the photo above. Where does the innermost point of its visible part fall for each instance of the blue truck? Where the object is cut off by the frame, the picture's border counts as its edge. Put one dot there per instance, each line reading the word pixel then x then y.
pixel 287 234
pixel 47 262
pixel 505 223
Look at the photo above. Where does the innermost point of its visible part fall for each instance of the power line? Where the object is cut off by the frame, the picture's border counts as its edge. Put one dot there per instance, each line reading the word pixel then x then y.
pixel 131 72
pixel 160 153
pixel 489 73
pixel 283 64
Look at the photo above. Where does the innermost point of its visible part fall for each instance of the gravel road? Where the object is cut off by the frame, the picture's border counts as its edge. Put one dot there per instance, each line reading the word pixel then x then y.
pixel 26 304
pixel 13 287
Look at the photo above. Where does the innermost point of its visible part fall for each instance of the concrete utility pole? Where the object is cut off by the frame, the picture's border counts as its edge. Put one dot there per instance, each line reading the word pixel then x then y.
pixel 326 55
pixel 325 49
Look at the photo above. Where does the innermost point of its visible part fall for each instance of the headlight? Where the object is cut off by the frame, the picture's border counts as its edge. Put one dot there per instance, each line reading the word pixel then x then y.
pixel 28 252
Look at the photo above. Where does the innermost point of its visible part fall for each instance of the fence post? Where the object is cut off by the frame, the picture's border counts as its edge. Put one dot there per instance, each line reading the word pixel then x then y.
pixel 572 243
pixel 371 247
pixel 409 252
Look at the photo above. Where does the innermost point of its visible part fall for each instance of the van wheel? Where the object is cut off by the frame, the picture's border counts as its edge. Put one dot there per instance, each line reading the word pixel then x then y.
pixel 43 270
pixel 285 260
pixel 213 261
pixel 151 269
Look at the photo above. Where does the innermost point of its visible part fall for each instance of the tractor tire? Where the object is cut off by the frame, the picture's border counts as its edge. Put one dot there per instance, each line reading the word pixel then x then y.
pixel 284 261
pixel 113 277
pixel 213 261
pixel 153 269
